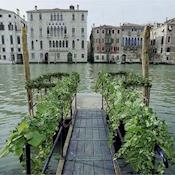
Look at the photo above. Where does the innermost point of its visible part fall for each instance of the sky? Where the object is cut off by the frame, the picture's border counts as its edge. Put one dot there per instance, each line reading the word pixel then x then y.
pixel 113 12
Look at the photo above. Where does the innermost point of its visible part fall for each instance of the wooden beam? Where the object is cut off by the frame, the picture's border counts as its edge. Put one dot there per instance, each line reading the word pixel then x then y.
pixel 145 62
pixel 27 69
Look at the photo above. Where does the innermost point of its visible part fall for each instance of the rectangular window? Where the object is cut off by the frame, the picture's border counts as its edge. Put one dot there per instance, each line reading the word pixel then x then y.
pixel 18 40
pixel 82 31
pixel 73 31
pixel 82 44
pixel 97 57
pixel 2 39
pixel 32 45
pixel 32 32
pixel 82 17
pixel 1 26
pixel 11 39
pixel 50 44
pixel 40 16
pixel 41 44
pixel 4 57
pixel 31 17
pixel 40 32
pixel 3 49
pixel 58 55
pixel 82 55
pixel 19 49
pixel 162 40
pixel 33 55
pixel 73 17
pixel 169 39
pixel 41 55
pixel 12 49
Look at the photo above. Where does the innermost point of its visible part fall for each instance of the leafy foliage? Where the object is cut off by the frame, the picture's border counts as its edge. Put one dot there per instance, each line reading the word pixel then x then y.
pixel 45 81
pixel 143 128
pixel 38 131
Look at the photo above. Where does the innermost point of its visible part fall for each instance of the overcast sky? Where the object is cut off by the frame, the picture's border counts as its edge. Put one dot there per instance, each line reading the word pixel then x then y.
pixel 102 12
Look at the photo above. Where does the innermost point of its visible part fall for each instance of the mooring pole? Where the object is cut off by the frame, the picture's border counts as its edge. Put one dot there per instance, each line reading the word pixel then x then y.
pixel 145 62
pixel 29 91
pixel 27 68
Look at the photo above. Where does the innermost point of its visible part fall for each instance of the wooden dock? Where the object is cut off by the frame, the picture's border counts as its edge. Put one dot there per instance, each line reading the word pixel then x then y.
pixel 88 151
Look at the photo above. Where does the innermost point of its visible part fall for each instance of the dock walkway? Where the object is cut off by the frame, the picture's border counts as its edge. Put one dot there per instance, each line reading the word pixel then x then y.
pixel 88 152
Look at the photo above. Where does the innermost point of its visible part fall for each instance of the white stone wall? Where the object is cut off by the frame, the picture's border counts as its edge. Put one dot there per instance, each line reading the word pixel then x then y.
pixel 10 53
pixel 160 54
pixel 57 53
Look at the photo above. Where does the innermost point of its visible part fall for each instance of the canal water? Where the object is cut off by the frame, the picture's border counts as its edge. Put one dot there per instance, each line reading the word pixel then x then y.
pixel 13 105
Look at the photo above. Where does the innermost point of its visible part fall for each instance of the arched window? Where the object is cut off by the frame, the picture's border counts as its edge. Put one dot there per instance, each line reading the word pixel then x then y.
pixel 126 41
pixel 51 30
pixel 138 41
pixel 73 44
pixel 50 44
pixel 60 43
pixel 58 30
pixel 51 17
pixel 123 41
pixel 65 30
pixel 132 41
pixel 53 43
pixel 129 42
pixel 48 32
pixel 61 17
pixel 135 41
pixel 10 26
pixel 55 30
pixel 66 43
pixel 63 43
pixel 55 17
pixel 57 44
pixel 61 30
pixel 1 26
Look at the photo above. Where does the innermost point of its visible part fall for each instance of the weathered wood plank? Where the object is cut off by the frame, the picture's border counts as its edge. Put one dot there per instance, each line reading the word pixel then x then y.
pixel 88 152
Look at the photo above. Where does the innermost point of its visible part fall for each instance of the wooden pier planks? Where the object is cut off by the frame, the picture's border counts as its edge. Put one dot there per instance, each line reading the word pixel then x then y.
pixel 88 151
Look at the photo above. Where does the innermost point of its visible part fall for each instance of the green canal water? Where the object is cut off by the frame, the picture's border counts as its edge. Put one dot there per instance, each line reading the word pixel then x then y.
pixel 13 106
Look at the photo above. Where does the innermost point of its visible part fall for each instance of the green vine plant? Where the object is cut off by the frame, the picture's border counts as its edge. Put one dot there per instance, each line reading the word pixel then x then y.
pixel 38 131
pixel 143 128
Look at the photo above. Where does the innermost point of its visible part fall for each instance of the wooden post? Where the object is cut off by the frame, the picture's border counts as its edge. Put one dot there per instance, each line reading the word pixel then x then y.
pixel 145 62
pixel 27 69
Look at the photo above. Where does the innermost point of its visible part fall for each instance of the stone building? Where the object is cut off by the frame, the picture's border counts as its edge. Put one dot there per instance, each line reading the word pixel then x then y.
pixel 163 42
pixel 57 35
pixel 131 42
pixel 105 44
pixel 10 36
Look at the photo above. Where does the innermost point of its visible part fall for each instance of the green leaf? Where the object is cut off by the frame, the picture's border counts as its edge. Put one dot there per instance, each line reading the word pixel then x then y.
pixel 36 138
pixel 22 126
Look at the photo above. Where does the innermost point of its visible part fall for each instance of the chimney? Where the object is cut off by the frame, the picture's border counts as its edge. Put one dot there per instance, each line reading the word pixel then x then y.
pixel 77 7
pixel 17 12
pixel 71 7
pixel 35 7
